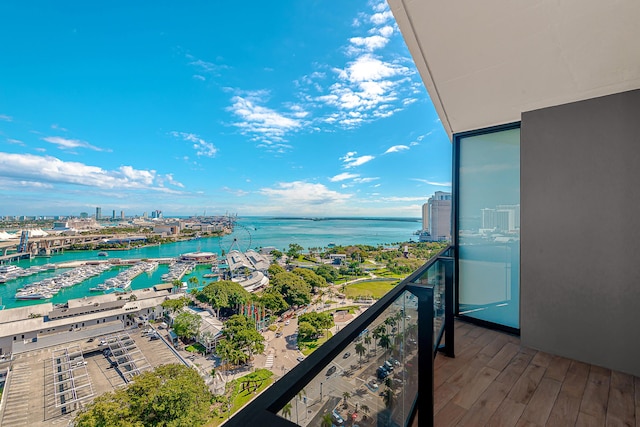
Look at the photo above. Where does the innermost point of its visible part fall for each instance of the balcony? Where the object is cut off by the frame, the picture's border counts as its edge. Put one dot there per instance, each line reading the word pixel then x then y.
pixel 493 380
pixel 393 366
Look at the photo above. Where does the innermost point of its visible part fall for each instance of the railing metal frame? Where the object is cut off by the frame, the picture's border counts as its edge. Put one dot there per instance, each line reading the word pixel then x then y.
pixel 264 408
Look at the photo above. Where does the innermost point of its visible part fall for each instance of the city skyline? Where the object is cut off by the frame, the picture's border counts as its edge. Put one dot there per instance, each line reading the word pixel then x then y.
pixel 288 108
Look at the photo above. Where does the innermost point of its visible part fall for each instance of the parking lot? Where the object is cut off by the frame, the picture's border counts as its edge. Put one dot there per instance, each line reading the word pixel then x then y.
pixel 30 397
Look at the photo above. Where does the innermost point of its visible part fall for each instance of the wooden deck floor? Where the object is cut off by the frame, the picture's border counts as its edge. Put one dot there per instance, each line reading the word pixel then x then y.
pixel 494 381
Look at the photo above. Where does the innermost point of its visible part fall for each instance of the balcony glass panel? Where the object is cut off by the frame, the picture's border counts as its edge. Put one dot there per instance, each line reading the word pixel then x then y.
pixel 489 226
pixel 373 380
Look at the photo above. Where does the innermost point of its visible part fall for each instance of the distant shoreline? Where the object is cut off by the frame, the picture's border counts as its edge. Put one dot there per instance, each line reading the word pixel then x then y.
pixel 341 218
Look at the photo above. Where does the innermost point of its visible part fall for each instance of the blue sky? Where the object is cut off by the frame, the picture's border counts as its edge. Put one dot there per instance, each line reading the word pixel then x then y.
pixel 256 108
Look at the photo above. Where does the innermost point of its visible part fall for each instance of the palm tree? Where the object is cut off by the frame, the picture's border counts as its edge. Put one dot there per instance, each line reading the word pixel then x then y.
pixel 365 409
pixel 326 421
pixel 360 350
pixel 346 395
pixel 367 341
pixel 387 397
pixel 286 410
pixel 385 341
pixel 377 333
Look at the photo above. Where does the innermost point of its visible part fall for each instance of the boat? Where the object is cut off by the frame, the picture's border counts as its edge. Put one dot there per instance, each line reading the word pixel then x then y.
pixel 100 288
pixel 9 269
pixel 29 295
pixel 103 254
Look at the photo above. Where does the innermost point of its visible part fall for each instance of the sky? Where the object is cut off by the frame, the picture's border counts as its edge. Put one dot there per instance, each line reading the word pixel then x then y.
pixel 281 108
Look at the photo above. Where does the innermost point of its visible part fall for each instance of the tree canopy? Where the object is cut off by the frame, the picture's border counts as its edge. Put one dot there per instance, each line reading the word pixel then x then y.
pixel 187 325
pixel 224 294
pixel 311 278
pixel 171 395
pixel 175 304
pixel 293 288
pixel 241 340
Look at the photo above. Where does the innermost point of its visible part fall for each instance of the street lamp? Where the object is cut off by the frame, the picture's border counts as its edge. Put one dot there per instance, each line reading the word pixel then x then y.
pixel 321 392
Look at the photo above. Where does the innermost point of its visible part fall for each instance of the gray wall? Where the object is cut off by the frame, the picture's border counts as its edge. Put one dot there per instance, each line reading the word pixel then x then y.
pixel 580 230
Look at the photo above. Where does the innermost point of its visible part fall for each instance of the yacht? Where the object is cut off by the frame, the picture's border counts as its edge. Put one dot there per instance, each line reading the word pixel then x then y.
pixel 28 295
pixel 7 269
pixel 103 254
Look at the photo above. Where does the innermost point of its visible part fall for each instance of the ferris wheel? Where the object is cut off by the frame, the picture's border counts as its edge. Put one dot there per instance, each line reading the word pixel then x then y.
pixel 239 239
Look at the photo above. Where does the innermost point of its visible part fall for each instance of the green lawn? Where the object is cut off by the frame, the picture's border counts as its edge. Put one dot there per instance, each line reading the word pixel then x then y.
pixel 375 289
pixel 242 397
pixel 308 347
pixel 196 347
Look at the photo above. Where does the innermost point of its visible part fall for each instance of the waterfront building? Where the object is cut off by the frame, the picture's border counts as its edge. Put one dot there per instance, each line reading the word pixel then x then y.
pixel 200 257
pixel 37 326
pixel 121 214
pixel 98 213
pixel 436 217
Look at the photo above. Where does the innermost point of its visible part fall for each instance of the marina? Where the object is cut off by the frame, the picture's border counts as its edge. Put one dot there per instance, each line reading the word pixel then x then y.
pixel 250 232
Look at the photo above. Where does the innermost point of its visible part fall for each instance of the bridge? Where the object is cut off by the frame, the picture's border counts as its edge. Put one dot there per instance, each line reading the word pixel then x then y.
pixel 28 247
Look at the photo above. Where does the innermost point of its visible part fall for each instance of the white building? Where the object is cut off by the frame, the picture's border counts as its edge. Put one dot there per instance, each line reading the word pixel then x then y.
pixel 436 217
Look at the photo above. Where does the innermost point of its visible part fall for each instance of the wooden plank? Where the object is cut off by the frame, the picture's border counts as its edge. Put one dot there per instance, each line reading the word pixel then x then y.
pixel 476 331
pixel 596 394
pixel 516 367
pixel 475 387
pixel 503 357
pixel 492 348
pixel 469 370
pixel 449 415
pixel 542 401
pixel 557 369
pixel 541 359
pixel 442 396
pixel 486 338
pixel 586 420
pixel 621 406
pixel 485 406
pixel 524 388
pixel 507 414
pixel 576 379
pixel 637 393
pixel 565 410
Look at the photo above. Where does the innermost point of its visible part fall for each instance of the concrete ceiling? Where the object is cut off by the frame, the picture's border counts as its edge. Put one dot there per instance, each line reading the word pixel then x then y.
pixel 485 62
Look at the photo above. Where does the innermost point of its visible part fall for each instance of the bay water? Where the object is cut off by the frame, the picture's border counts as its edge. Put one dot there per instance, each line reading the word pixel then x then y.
pixel 249 233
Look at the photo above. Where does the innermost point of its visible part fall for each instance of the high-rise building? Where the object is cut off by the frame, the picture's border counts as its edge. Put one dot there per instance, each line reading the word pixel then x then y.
pixel 113 214
pixel 84 215
pixel 121 214
pixel 436 217
pixel 98 213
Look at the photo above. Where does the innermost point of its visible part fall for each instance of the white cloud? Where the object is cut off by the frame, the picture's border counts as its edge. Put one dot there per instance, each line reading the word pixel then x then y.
pixel 15 141
pixel 199 77
pixel 304 193
pixel 368 68
pixel 263 123
pixel 437 184
pixel 202 147
pixel 381 17
pixel 236 192
pixel 365 180
pixel 404 199
pixel 386 31
pixel 66 143
pixel 51 170
pixel 370 43
pixel 343 177
pixel 396 149
pixel 6 118
pixel 350 161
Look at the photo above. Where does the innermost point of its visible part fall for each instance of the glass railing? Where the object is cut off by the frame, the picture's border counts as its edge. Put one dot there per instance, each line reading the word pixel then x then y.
pixel 378 370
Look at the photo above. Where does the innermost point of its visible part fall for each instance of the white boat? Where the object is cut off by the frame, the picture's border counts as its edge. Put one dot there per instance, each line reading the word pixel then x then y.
pixel 9 269
pixel 29 295
pixel 100 288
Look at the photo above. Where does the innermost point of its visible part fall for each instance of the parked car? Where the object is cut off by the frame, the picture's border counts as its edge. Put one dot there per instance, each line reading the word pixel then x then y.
pixel 300 358
pixel 331 370
pixel 382 373
pixel 346 355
